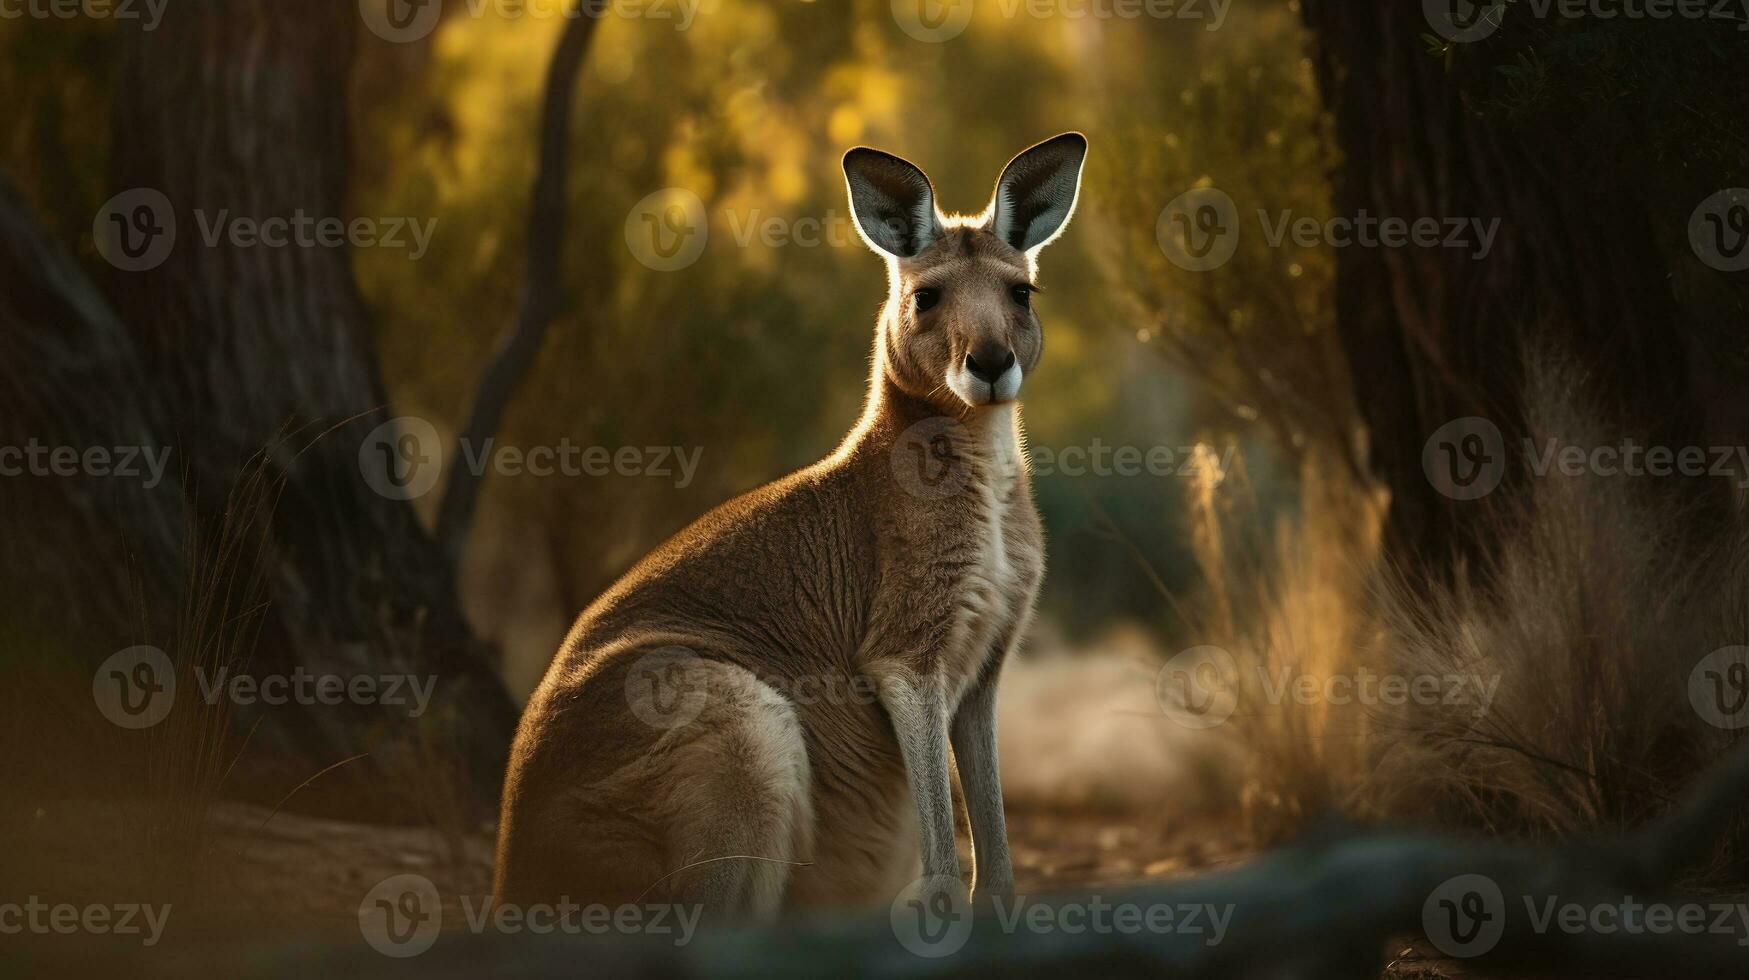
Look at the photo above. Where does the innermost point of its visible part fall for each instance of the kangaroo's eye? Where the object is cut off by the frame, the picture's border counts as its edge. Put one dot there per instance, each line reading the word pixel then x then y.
pixel 1022 294
pixel 926 299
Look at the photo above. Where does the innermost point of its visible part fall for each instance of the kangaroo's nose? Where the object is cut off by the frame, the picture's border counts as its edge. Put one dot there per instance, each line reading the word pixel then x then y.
pixel 987 363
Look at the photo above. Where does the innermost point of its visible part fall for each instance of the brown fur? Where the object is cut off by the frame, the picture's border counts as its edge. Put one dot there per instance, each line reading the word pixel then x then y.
pixel 790 608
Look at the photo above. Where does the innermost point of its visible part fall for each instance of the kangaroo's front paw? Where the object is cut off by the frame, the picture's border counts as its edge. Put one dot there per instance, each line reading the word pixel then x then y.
pixel 986 897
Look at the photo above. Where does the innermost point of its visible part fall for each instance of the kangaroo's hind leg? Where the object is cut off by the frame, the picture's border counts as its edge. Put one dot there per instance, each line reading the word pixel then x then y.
pixel 737 798
pixel 694 793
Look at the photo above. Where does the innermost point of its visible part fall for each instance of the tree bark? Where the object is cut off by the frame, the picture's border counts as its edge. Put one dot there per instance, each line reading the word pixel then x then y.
pixel 237 110
pixel 1436 334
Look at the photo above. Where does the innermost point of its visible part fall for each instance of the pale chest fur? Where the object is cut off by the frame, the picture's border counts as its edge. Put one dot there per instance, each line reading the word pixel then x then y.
pixel 1001 556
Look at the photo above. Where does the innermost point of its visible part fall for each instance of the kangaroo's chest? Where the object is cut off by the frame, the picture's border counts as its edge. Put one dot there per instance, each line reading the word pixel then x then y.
pixel 993 578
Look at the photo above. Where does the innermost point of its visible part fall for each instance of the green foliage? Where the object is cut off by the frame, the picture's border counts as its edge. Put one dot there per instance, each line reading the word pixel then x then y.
pixel 757 352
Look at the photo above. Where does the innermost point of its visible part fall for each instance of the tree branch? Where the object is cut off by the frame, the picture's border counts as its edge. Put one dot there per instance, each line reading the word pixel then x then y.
pixel 541 292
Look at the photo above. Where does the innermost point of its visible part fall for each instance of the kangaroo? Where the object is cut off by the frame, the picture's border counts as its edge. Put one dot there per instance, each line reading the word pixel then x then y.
pixel 758 716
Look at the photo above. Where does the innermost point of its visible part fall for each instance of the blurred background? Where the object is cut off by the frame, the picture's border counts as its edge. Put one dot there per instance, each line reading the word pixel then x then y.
pixel 755 355
pixel 1319 375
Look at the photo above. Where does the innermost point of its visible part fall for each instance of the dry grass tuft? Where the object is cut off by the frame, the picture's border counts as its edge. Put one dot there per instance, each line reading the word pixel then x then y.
pixel 1576 644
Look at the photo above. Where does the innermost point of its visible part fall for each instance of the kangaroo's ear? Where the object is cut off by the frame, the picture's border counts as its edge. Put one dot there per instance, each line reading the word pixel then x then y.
pixel 892 201
pixel 1037 190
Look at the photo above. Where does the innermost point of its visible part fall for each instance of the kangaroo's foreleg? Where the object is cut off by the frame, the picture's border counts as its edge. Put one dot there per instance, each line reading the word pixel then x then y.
pixel 917 705
pixel 974 752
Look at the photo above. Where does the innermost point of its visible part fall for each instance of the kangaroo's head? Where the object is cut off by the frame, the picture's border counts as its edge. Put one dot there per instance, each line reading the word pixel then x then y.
pixel 958 328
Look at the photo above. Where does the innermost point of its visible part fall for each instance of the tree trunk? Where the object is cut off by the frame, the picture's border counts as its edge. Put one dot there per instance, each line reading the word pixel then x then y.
pixel 237 110
pixel 1437 334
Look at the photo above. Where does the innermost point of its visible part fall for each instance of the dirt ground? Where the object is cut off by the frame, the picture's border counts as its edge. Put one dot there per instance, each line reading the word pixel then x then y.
pixel 294 877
